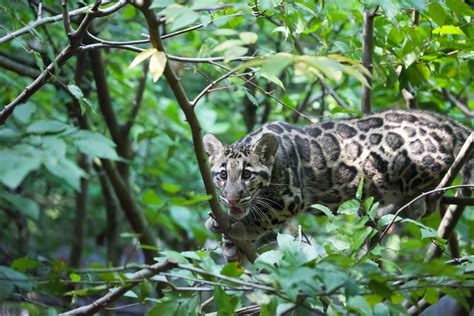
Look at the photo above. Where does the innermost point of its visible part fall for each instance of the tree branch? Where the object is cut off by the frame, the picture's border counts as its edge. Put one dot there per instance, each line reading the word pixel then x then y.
pixel 367 58
pixel 132 212
pixel 75 40
pixel 221 217
pixel 136 103
pixel 207 89
pixel 452 99
pixel 115 294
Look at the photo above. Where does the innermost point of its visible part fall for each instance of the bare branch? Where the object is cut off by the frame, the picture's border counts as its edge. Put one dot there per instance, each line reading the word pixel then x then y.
pixel 207 89
pixel 367 58
pixel 47 20
pixel 454 101
pixel 66 17
pixel 457 200
pixel 75 40
pixel 115 294
pixel 221 217
pixel 136 103
pixel 333 93
pixel 400 210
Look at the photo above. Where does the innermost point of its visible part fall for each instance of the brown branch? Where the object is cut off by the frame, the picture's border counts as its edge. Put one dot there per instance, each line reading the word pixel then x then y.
pixel 452 99
pixel 207 89
pixel 333 93
pixel 132 211
pixel 103 94
pixel 66 17
pixel 400 210
pixel 218 213
pixel 136 103
pixel 115 294
pixel 79 224
pixel 367 58
pixel 75 40
pixel 457 200
pixel 18 68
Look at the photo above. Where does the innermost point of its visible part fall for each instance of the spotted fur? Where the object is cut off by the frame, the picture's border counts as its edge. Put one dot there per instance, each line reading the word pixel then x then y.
pixel 282 169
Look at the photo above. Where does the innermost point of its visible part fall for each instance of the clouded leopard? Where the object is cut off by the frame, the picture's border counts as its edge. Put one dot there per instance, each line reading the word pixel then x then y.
pixel 281 169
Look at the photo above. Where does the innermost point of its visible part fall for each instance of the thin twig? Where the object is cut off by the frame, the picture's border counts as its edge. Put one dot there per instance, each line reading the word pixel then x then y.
pixel 66 17
pixel 210 86
pixel 413 201
pixel 115 294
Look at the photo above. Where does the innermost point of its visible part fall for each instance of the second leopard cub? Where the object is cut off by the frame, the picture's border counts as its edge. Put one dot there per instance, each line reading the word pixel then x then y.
pixel 282 169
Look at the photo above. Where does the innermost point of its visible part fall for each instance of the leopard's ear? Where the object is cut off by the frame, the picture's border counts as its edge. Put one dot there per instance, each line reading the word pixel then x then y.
pixel 213 146
pixel 266 147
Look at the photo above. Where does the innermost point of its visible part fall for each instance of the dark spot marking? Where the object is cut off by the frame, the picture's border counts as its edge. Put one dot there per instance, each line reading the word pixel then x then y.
pixel 417 147
pixel 375 139
pixel 313 131
pixel 369 123
pixel 346 131
pixel 327 125
pixel 331 146
pixel 353 150
pixel 410 131
pixel 290 127
pixel 394 141
pixel 399 117
pixel 318 160
pixel 427 161
pixel 303 148
pixel 362 137
pixel 430 146
pixel 275 128
pixel 275 222
pixel 378 162
pixel 345 174
pixel 422 131
pixel 400 162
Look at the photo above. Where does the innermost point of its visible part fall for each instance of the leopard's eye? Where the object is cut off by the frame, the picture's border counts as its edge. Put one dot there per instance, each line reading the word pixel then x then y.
pixel 246 175
pixel 223 175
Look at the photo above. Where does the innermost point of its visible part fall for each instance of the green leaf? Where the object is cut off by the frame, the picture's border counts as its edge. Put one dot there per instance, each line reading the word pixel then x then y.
pixel 271 257
pixel 381 309
pixel 360 189
pixel 170 187
pixel 164 308
pixel 226 304
pixel 46 127
pixel 23 264
pixel 325 210
pixel 448 29
pixel 74 277
pixel 248 37
pixel 95 145
pixel 229 44
pixel 24 205
pixel 350 207
pixel 24 111
pixel 16 165
pixel 232 269
pixel 151 198
pixel 436 12
pixel 359 304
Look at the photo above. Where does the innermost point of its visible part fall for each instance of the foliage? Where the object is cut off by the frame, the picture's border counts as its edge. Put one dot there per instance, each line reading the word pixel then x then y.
pixel 306 61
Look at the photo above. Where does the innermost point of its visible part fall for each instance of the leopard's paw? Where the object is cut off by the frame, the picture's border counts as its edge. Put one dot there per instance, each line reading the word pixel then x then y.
pixel 212 226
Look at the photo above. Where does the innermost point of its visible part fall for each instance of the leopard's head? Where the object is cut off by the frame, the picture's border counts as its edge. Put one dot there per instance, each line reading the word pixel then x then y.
pixel 240 170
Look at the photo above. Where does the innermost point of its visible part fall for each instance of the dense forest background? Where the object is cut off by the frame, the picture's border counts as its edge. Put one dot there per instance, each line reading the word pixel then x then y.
pixel 105 187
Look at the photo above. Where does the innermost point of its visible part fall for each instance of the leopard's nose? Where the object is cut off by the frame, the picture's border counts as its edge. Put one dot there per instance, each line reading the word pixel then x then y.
pixel 233 200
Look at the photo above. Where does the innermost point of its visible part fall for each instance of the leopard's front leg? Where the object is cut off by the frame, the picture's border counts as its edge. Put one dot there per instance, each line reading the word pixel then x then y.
pixel 245 229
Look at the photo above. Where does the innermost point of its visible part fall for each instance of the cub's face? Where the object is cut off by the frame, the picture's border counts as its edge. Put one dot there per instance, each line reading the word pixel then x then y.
pixel 240 171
